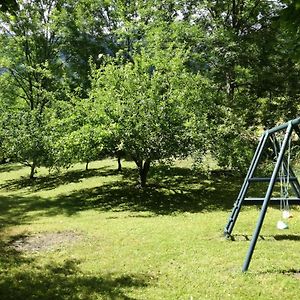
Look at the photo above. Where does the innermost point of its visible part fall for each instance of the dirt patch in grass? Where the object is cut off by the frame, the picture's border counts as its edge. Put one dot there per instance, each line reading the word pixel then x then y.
pixel 47 241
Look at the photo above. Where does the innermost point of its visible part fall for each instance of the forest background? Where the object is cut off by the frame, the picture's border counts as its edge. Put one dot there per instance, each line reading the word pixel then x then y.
pixel 144 80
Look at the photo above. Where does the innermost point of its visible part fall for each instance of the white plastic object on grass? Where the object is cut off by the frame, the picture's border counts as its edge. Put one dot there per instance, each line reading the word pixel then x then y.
pixel 286 214
pixel 281 225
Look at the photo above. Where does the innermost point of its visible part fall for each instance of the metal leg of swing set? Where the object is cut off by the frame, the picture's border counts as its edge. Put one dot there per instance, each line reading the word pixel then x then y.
pixel 238 203
pixel 267 198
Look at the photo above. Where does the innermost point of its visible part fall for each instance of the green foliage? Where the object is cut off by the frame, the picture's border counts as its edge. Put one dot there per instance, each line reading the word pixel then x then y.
pixel 249 59
pixel 150 102
pixel 85 30
pixel 169 78
pixel 9 6
pixel 233 145
pixel 25 138
pixel 78 134
pixel 290 16
pixel 33 71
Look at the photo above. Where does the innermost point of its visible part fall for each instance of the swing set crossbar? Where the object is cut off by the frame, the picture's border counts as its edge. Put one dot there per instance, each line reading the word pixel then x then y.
pixel 284 126
pixel 273 200
pixel 268 179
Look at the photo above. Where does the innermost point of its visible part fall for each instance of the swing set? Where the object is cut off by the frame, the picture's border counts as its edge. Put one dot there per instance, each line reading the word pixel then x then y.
pixel 277 143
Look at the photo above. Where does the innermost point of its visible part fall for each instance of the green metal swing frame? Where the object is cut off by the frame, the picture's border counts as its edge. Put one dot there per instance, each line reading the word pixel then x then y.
pixel 267 136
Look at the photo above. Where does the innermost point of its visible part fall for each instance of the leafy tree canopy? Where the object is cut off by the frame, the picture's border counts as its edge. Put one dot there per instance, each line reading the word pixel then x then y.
pixel 149 102
pixel 9 6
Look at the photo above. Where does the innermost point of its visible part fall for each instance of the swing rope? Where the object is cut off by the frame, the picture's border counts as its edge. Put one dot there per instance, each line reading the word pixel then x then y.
pixel 284 177
pixel 284 172
pixel 286 181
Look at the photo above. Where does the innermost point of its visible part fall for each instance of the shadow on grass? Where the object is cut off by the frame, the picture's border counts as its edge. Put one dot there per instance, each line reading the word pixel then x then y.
pixel 294 272
pixel 21 277
pixel 287 237
pixel 54 180
pixel 10 258
pixel 10 167
pixel 27 280
pixel 14 209
pixel 276 237
pixel 179 190
pixel 160 199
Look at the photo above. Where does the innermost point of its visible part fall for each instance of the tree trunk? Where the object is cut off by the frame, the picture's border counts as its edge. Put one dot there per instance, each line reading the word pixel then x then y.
pixel 119 164
pixel 87 166
pixel 143 167
pixel 32 170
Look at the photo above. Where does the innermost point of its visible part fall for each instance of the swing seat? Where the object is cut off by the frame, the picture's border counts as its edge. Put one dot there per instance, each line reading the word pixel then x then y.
pixel 281 225
pixel 286 214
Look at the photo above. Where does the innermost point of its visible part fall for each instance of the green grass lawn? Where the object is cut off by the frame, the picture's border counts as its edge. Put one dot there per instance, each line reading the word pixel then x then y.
pixel 94 235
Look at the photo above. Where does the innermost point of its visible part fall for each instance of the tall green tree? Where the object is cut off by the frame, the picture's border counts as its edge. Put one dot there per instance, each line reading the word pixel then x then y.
pixel 32 67
pixel 80 134
pixel 86 30
pixel 148 102
pixel 245 54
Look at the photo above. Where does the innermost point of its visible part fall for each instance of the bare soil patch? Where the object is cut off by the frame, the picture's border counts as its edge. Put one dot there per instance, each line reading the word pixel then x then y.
pixel 47 241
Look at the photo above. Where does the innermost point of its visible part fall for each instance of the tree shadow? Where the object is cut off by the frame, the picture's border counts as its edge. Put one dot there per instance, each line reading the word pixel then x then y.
pixel 10 257
pixel 65 280
pixel 14 209
pixel 173 195
pixel 52 181
pixel 7 167
pixel 21 277
pixel 170 191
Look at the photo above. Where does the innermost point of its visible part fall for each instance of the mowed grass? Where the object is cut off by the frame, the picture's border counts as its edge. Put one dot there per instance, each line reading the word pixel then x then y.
pixel 94 235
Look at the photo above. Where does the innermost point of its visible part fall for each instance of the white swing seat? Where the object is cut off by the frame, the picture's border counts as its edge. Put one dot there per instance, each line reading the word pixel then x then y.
pixel 281 225
pixel 286 214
